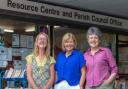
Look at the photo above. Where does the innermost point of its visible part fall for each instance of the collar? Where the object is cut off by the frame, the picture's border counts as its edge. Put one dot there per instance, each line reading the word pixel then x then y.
pixel 89 50
pixel 73 52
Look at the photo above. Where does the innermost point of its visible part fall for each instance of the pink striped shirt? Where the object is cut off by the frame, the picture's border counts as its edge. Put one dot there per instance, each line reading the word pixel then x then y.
pixel 99 66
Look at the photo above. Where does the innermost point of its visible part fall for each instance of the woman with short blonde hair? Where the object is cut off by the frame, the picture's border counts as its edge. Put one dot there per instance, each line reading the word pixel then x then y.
pixel 70 65
pixel 66 37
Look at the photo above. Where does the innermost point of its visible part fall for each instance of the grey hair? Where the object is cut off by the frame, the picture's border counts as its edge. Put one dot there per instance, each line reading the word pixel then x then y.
pixel 94 30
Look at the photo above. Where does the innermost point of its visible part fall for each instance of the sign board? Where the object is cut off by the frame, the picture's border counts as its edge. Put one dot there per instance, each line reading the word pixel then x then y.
pixel 42 9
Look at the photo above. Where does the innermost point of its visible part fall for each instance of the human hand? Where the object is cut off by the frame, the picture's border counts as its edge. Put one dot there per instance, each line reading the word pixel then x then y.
pixel 81 88
pixel 107 82
pixel 45 87
pixel 35 88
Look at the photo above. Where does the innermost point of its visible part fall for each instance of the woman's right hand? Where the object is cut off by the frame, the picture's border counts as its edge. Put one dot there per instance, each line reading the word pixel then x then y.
pixel 35 88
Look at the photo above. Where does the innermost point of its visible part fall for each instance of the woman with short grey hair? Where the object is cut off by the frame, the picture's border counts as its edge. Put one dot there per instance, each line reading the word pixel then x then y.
pixel 94 30
pixel 101 66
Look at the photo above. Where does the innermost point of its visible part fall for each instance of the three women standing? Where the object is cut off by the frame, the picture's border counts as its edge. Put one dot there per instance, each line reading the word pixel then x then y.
pixel 101 68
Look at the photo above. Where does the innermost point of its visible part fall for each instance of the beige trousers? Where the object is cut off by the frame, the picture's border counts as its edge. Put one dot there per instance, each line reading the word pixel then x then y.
pixel 102 86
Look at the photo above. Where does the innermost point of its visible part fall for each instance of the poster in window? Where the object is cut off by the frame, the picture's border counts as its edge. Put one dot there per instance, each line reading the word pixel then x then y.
pixel 23 41
pixel 15 40
pixel 30 42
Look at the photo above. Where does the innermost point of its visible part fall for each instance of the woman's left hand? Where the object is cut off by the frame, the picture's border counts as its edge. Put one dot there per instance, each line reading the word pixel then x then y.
pixel 45 87
pixel 107 82
pixel 81 88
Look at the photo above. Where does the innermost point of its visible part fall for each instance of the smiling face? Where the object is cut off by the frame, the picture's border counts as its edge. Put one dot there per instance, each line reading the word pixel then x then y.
pixel 94 36
pixel 69 45
pixel 93 41
pixel 68 42
pixel 42 41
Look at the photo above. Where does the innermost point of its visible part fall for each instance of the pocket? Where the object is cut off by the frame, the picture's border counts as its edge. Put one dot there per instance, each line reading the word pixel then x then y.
pixel 106 86
pixel 106 83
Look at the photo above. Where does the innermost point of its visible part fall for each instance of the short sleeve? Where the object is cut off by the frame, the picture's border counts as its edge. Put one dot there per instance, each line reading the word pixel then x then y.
pixel 52 60
pixel 82 61
pixel 29 59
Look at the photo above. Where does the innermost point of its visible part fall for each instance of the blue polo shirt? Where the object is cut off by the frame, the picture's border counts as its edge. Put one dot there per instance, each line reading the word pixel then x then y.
pixel 69 68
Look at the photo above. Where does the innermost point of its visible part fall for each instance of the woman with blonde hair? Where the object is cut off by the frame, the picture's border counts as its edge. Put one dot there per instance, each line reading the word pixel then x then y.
pixel 70 65
pixel 40 65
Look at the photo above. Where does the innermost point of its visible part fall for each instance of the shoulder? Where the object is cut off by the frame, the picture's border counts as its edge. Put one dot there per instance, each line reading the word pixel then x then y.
pixel 52 60
pixel 86 53
pixel 29 58
pixel 60 54
pixel 78 52
pixel 105 49
pixel 51 57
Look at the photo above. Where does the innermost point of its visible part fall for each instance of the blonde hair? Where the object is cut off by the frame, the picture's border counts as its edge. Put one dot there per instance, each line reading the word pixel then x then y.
pixel 36 48
pixel 66 37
